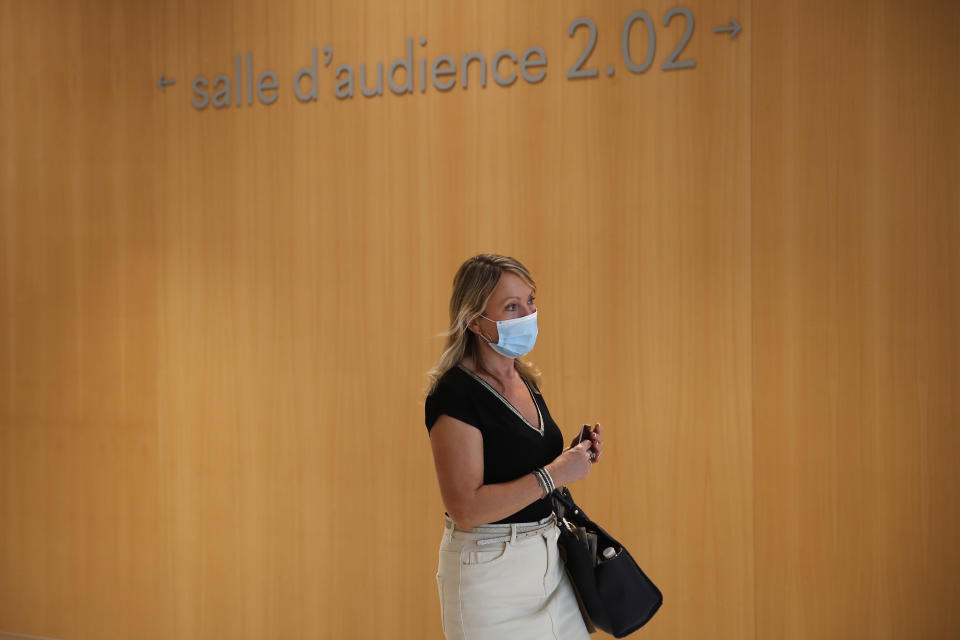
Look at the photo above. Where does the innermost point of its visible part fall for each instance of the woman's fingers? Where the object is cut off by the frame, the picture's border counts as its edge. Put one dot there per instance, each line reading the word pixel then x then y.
pixel 597 442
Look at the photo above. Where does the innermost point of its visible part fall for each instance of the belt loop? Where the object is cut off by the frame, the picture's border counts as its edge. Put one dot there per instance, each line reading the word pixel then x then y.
pixel 448 527
pixel 513 533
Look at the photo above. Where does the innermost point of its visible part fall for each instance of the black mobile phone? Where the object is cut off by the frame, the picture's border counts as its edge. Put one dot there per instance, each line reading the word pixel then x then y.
pixel 584 433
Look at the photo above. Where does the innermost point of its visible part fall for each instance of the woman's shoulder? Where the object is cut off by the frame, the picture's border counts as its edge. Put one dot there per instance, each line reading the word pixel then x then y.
pixel 450 382
pixel 450 396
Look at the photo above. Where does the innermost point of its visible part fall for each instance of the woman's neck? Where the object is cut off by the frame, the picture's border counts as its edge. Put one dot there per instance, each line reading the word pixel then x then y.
pixel 493 364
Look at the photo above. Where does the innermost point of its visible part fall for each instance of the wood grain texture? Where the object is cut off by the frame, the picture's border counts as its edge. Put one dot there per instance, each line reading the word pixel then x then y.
pixel 216 323
pixel 856 223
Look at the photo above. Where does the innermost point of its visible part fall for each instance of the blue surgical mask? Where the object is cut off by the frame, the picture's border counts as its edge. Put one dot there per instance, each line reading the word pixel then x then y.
pixel 517 336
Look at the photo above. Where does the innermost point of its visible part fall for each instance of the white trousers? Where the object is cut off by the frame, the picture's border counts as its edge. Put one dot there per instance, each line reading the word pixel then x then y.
pixel 506 582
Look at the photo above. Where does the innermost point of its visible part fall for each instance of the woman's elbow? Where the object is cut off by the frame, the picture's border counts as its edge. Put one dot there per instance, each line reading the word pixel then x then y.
pixel 459 519
pixel 462 516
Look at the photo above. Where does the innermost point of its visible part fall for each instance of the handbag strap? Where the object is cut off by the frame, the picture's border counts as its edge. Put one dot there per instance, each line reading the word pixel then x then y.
pixel 561 497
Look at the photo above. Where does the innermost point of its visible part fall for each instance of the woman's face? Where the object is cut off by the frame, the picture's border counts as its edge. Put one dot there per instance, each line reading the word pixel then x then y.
pixel 511 298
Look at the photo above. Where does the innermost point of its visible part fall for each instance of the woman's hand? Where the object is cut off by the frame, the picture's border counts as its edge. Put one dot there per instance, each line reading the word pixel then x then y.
pixel 596 441
pixel 571 465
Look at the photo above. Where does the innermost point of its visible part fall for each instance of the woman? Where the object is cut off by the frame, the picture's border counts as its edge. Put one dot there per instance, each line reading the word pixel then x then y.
pixel 497 454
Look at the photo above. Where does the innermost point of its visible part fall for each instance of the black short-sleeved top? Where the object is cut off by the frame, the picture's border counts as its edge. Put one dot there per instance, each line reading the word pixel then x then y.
pixel 512 447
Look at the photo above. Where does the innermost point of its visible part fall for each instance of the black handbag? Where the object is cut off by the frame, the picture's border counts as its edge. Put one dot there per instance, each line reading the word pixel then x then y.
pixel 614 594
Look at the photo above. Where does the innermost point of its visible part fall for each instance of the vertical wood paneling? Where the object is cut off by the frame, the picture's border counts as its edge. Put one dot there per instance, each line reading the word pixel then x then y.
pixel 79 550
pixel 855 227
pixel 216 323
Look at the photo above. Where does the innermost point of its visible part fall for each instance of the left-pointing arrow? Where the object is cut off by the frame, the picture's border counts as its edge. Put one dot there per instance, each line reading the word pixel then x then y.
pixel 163 82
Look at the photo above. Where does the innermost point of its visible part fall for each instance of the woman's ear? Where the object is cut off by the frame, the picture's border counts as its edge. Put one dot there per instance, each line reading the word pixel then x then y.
pixel 474 326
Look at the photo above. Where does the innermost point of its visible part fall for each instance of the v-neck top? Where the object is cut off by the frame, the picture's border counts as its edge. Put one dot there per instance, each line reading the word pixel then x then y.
pixel 512 446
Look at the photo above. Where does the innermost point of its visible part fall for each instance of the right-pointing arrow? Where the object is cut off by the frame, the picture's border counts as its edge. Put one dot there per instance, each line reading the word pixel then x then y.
pixel 734 28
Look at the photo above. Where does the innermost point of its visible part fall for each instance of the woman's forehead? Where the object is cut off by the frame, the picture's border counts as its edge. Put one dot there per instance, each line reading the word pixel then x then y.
pixel 510 285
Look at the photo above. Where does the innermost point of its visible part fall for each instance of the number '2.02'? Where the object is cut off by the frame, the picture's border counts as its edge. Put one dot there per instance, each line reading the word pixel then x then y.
pixel 577 70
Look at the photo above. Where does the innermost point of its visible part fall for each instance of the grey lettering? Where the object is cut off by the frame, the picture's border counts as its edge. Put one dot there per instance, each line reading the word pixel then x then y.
pixel 263 86
pixel 407 64
pixel 205 99
pixel 526 63
pixel 249 78
pixel 344 87
pixel 465 66
pixel 312 73
pixel 238 86
pixel 495 67
pixel 436 71
pixel 376 91
pixel 222 97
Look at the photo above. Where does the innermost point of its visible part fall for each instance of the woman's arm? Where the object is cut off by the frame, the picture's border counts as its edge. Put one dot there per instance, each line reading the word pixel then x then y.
pixel 458 458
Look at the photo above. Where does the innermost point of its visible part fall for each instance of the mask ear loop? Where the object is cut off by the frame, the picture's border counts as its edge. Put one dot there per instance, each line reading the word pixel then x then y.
pixel 482 334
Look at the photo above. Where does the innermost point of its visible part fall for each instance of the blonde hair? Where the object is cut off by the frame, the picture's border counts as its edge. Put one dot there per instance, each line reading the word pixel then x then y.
pixel 472 287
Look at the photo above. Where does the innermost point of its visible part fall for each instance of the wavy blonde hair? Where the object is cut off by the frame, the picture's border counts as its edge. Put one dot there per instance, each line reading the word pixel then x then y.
pixel 472 287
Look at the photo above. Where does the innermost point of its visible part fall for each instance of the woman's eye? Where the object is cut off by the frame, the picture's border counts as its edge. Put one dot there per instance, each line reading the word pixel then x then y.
pixel 511 306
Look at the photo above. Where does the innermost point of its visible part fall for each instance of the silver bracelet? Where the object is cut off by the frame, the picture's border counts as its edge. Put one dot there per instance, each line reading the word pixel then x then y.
pixel 549 479
pixel 544 483
pixel 545 480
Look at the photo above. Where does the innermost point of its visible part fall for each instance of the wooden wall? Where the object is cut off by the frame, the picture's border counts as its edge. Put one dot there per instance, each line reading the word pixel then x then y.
pixel 216 323
pixel 855 318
